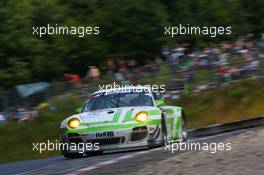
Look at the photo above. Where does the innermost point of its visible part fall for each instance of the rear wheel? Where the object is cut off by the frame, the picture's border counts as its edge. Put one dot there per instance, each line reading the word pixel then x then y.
pixel 184 135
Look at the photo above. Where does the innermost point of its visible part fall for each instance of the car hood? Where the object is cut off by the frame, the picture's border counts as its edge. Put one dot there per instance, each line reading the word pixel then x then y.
pixel 116 115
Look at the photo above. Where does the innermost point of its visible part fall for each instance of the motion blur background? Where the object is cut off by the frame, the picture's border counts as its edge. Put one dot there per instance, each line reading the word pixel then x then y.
pixel 44 79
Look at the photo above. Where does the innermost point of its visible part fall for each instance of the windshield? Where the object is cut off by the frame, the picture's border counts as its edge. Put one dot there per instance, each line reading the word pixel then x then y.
pixel 114 100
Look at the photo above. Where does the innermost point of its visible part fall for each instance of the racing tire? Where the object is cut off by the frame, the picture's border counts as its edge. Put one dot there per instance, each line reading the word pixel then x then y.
pixel 72 155
pixel 94 153
pixel 184 135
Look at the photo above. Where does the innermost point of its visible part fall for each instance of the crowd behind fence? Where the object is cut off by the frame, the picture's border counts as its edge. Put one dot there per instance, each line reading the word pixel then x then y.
pixel 178 66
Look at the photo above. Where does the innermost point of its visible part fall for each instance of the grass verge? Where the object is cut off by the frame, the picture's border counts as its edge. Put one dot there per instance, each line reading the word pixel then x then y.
pixel 16 139
pixel 238 101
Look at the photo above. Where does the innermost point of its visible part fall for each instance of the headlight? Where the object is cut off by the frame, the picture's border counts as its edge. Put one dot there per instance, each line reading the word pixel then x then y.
pixel 141 117
pixel 73 123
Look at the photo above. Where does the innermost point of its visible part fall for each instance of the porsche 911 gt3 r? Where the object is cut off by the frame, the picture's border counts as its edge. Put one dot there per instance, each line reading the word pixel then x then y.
pixel 123 118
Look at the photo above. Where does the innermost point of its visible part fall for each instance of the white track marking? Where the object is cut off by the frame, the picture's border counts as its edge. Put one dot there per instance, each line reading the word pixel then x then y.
pixel 37 169
pixel 115 160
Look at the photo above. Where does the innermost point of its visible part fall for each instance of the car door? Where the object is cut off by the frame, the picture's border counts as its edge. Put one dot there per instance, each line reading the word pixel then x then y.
pixel 173 122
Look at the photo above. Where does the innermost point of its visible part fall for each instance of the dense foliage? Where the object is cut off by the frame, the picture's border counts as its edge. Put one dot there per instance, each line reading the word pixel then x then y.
pixel 128 29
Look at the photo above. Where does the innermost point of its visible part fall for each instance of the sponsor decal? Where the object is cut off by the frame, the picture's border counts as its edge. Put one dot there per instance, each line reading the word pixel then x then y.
pixel 104 134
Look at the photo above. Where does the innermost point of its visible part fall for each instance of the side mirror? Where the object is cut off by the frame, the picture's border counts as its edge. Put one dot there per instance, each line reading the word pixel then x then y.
pixel 159 103
pixel 78 110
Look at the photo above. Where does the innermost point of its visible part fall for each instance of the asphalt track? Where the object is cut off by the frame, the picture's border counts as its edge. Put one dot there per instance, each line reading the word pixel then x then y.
pixel 108 163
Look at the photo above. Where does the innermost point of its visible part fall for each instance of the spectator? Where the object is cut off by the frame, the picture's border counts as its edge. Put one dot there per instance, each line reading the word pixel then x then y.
pixel 73 78
pixel 110 66
pixel 93 73
pixel 3 117
pixel 119 76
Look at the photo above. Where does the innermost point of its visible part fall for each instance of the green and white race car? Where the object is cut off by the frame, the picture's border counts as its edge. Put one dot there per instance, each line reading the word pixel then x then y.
pixel 122 118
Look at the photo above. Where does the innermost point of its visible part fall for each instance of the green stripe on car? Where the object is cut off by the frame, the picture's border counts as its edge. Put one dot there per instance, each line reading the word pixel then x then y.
pixel 154 112
pixel 128 116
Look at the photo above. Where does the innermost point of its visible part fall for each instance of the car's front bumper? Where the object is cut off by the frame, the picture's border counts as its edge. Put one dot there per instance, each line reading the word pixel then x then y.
pixel 109 139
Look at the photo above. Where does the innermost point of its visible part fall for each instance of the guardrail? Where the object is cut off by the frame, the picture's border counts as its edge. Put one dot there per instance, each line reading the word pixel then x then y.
pixel 227 127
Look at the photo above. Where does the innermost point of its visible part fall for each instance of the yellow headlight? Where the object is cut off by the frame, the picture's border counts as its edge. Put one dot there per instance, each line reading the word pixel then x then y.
pixel 73 123
pixel 141 117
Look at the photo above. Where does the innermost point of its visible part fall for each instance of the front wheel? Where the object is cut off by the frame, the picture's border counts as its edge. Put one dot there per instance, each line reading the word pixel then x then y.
pixel 95 153
pixel 72 155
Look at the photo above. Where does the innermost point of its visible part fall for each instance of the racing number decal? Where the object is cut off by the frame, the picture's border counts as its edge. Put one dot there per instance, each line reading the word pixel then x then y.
pixel 174 124
pixel 169 122
pixel 116 116
pixel 177 126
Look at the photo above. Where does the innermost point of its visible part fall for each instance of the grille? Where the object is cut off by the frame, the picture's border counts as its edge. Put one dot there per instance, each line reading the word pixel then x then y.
pixel 138 133
pixel 108 141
